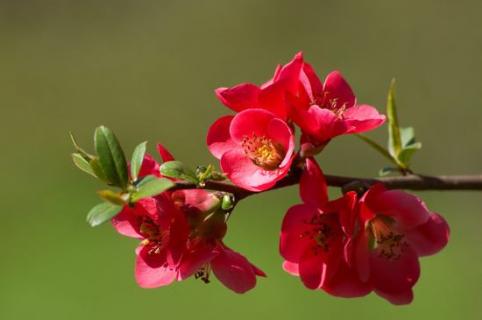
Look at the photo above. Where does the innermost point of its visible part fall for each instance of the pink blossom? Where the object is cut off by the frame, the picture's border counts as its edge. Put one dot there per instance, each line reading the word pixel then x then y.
pixel 314 235
pixel 395 229
pixel 255 148
pixel 181 235
pixel 326 110
pixel 163 230
pixel 270 96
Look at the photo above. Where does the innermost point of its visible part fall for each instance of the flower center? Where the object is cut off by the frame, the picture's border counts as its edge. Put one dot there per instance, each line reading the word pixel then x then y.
pixel 323 232
pixel 331 104
pixel 389 243
pixel 153 236
pixel 263 151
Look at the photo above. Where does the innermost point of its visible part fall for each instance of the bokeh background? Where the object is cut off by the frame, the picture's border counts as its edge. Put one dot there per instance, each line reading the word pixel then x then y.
pixel 147 69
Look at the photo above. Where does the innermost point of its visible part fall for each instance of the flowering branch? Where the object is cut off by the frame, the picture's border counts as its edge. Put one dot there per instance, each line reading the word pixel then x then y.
pixel 367 240
pixel 410 182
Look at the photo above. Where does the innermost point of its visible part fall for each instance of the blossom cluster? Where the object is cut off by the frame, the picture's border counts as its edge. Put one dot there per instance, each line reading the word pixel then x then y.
pixel 349 246
pixel 366 241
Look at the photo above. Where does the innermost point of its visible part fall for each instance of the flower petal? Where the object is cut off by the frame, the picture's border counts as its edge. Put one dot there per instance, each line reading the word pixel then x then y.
pixel 430 237
pixel 279 132
pixel 336 88
pixel 399 298
pixel 149 166
pixel 239 97
pixel 164 153
pixel 152 271
pixel 293 243
pixel 345 283
pixel 394 275
pixel 325 124
pixel 313 188
pixel 195 259
pixel 245 174
pixel 312 84
pixel 408 210
pixel 218 138
pixel 363 118
pixel 234 271
pixel 126 223
pixel 291 267
pixel 311 269
pixel 250 122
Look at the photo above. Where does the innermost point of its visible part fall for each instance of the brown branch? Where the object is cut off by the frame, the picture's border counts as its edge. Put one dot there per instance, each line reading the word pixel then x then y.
pixel 409 182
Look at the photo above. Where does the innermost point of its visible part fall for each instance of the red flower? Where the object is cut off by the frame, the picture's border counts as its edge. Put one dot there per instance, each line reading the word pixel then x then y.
pixel 181 236
pixel 255 148
pixel 326 110
pixel 395 229
pixel 270 95
pixel 314 235
pixel 205 250
pixel 163 230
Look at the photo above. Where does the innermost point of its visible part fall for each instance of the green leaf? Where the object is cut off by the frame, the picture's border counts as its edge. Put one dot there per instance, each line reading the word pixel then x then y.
pixel 151 188
pixel 380 149
pixel 83 164
pixel 136 160
pixel 145 179
pixel 79 150
pixel 114 197
pixel 111 157
pixel 394 139
pixel 388 170
pixel 407 136
pixel 102 213
pixel 406 155
pixel 177 170
pixel 95 165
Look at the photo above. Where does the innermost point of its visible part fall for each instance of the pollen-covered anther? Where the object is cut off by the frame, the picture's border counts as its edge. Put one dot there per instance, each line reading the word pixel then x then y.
pixel 321 233
pixel 203 273
pixel 389 243
pixel 263 151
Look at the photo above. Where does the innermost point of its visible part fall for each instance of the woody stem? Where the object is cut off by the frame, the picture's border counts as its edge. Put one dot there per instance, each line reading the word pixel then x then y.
pixel 408 182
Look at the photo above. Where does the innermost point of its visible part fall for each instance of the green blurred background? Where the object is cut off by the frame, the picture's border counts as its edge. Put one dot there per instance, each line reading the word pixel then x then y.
pixel 147 69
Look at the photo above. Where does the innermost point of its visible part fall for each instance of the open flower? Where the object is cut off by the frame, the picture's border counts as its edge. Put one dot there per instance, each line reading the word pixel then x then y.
pixel 395 229
pixel 270 96
pixel 181 235
pixel 326 110
pixel 255 148
pixel 314 235
pixel 205 251
pixel 163 230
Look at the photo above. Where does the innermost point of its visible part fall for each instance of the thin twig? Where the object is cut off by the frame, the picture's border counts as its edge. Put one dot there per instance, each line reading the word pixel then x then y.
pixel 409 182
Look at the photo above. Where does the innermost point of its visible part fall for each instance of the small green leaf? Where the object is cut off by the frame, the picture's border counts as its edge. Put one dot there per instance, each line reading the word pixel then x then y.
pixel 145 180
pixel 407 152
pixel 136 160
pixel 82 164
pixel 177 170
pixel 111 157
pixel 114 197
pixel 95 165
pixel 151 188
pixel 388 170
pixel 79 150
pixel 102 213
pixel 394 139
pixel 407 136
